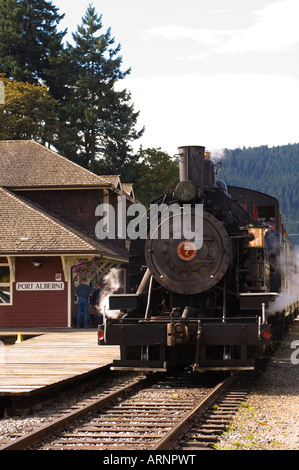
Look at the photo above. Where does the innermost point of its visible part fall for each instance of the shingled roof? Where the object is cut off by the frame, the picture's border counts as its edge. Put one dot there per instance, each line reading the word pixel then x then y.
pixel 26 229
pixel 25 163
pixel 128 189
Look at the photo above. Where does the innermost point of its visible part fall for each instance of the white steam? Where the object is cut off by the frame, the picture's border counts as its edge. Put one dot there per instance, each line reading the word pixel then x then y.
pixel 217 154
pixel 282 302
pixel 110 285
pixel 291 294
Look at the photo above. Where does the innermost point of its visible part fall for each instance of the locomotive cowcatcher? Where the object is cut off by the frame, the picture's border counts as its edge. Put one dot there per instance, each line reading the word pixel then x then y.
pixel 217 306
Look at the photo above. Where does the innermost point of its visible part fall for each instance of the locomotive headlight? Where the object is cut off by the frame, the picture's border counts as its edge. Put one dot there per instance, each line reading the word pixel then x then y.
pixel 186 191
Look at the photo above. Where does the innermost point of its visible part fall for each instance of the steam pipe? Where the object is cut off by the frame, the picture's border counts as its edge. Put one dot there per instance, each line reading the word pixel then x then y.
pixel 197 349
pixel 263 313
pixel 143 286
pixel 224 301
pixel 149 298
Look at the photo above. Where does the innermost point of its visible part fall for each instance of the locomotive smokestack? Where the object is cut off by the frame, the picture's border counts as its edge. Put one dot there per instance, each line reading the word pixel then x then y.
pixel 191 163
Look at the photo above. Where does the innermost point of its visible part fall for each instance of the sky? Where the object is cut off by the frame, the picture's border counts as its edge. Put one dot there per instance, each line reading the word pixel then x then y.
pixel 216 73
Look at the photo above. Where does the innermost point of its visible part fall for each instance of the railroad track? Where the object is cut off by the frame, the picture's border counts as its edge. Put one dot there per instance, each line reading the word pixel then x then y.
pixel 157 413
pixel 206 427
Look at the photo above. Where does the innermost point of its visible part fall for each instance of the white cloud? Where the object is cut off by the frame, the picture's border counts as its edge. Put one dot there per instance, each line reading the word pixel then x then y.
pixel 275 28
pixel 173 32
pixel 217 111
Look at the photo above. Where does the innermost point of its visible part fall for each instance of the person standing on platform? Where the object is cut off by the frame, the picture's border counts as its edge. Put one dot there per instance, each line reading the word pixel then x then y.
pixel 83 292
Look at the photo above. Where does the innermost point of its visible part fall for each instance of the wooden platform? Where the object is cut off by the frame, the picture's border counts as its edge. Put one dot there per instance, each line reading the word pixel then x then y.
pixel 49 359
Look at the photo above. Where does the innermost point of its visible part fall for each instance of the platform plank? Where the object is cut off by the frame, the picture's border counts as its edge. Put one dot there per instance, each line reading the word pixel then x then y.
pixel 51 358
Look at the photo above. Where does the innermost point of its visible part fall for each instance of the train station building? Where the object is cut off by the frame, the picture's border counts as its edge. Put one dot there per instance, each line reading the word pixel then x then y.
pixel 48 240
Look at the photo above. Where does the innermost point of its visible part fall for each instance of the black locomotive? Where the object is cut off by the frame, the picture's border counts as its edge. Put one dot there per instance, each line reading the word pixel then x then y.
pixel 217 306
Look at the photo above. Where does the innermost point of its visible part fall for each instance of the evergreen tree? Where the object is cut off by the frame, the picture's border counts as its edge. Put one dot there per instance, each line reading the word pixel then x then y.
pixel 30 44
pixel 10 38
pixel 102 119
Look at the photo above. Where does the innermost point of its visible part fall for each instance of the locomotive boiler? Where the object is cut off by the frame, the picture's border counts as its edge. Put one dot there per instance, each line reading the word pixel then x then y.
pixel 212 301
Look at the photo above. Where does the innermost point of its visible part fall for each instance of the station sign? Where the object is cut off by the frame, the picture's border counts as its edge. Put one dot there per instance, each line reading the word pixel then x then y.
pixel 42 286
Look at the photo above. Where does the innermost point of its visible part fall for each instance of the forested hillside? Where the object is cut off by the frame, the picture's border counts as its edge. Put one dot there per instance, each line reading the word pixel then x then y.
pixel 273 170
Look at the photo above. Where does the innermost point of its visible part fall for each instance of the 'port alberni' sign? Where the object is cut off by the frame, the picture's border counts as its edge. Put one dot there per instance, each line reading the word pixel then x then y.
pixel 32 286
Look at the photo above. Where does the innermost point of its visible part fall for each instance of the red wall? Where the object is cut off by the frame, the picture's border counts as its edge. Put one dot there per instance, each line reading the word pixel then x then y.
pixel 36 308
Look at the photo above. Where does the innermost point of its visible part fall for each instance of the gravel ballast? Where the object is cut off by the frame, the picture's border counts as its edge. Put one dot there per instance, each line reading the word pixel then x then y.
pixel 269 420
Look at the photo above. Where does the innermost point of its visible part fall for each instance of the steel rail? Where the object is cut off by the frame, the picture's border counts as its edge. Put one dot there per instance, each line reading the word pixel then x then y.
pixel 34 437
pixel 180 427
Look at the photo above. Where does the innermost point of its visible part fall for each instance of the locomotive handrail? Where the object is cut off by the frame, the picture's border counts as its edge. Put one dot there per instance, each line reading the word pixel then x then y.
pixel 189 320
pixel 259 293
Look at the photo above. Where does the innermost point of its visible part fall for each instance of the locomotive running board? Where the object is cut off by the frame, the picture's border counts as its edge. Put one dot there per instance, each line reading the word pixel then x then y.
pixel 226 364
pixel 139 369
pixel 157 366
pixel 204 369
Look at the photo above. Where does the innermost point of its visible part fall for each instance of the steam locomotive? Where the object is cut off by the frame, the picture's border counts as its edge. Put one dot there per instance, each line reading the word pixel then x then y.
pixel 216 305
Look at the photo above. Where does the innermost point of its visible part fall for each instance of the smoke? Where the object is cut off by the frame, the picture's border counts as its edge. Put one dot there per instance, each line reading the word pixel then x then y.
pixel 291 293
pixel 217 154
pixel 282 302
pixel 110 285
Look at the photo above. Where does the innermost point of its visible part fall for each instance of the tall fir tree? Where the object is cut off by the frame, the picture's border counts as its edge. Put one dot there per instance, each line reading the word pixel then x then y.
pixel 10 39
pixel 103 120
pixel 30 43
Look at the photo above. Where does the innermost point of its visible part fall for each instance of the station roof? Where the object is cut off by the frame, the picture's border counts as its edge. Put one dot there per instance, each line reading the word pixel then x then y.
pixel 27 164
pixel 26 229
pixel 128 189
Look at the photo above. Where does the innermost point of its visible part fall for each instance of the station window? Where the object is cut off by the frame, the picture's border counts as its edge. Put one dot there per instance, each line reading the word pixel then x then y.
pixel 5 282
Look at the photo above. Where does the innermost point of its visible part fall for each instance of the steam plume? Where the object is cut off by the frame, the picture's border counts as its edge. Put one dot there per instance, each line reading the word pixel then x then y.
pixel 111 284
pixel 291 293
